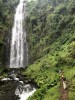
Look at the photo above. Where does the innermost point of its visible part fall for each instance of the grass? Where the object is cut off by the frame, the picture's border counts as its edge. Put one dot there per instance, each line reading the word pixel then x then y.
pixel 52 94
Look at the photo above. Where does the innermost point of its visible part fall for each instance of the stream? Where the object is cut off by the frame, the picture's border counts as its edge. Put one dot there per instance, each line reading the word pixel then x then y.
pixel 14 88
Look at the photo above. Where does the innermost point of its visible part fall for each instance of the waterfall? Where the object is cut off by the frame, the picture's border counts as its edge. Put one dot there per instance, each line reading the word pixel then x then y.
pixel 19 48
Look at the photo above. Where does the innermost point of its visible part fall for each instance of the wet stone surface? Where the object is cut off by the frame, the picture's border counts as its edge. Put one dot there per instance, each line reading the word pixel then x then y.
pixel 7 90
pixel 16 86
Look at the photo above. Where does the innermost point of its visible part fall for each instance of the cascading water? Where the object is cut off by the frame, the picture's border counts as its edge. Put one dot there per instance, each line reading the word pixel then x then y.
pixel 19 53
pixel 23 88
pixel 19 49
pixel 25 91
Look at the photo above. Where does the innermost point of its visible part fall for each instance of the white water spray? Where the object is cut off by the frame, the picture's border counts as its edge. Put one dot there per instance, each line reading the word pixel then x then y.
pixel 19 49
pixel 25 91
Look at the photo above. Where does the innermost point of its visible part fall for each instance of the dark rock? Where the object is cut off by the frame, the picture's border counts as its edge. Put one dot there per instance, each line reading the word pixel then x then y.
pixel 7 90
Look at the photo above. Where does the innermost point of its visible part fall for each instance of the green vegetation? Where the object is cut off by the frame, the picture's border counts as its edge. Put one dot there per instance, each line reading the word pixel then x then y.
pixel 3 72
pixel 51 37
pixel 50 25
pixel 7 8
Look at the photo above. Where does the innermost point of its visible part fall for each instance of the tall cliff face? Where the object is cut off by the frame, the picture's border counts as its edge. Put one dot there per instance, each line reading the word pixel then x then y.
pixel 7 10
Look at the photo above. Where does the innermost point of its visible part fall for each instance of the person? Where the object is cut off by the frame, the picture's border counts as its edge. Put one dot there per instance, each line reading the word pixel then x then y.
pixel 64 81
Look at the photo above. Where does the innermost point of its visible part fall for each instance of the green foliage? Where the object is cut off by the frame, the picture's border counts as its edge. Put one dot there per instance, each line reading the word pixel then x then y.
pixel 51 35
pixel 7 11
pixel 61 9
pixel 71 7
pixel 46 24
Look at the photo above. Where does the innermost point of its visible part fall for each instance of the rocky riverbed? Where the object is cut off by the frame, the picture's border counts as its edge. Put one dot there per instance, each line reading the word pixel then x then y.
pixel 16 87
pixel 7 90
